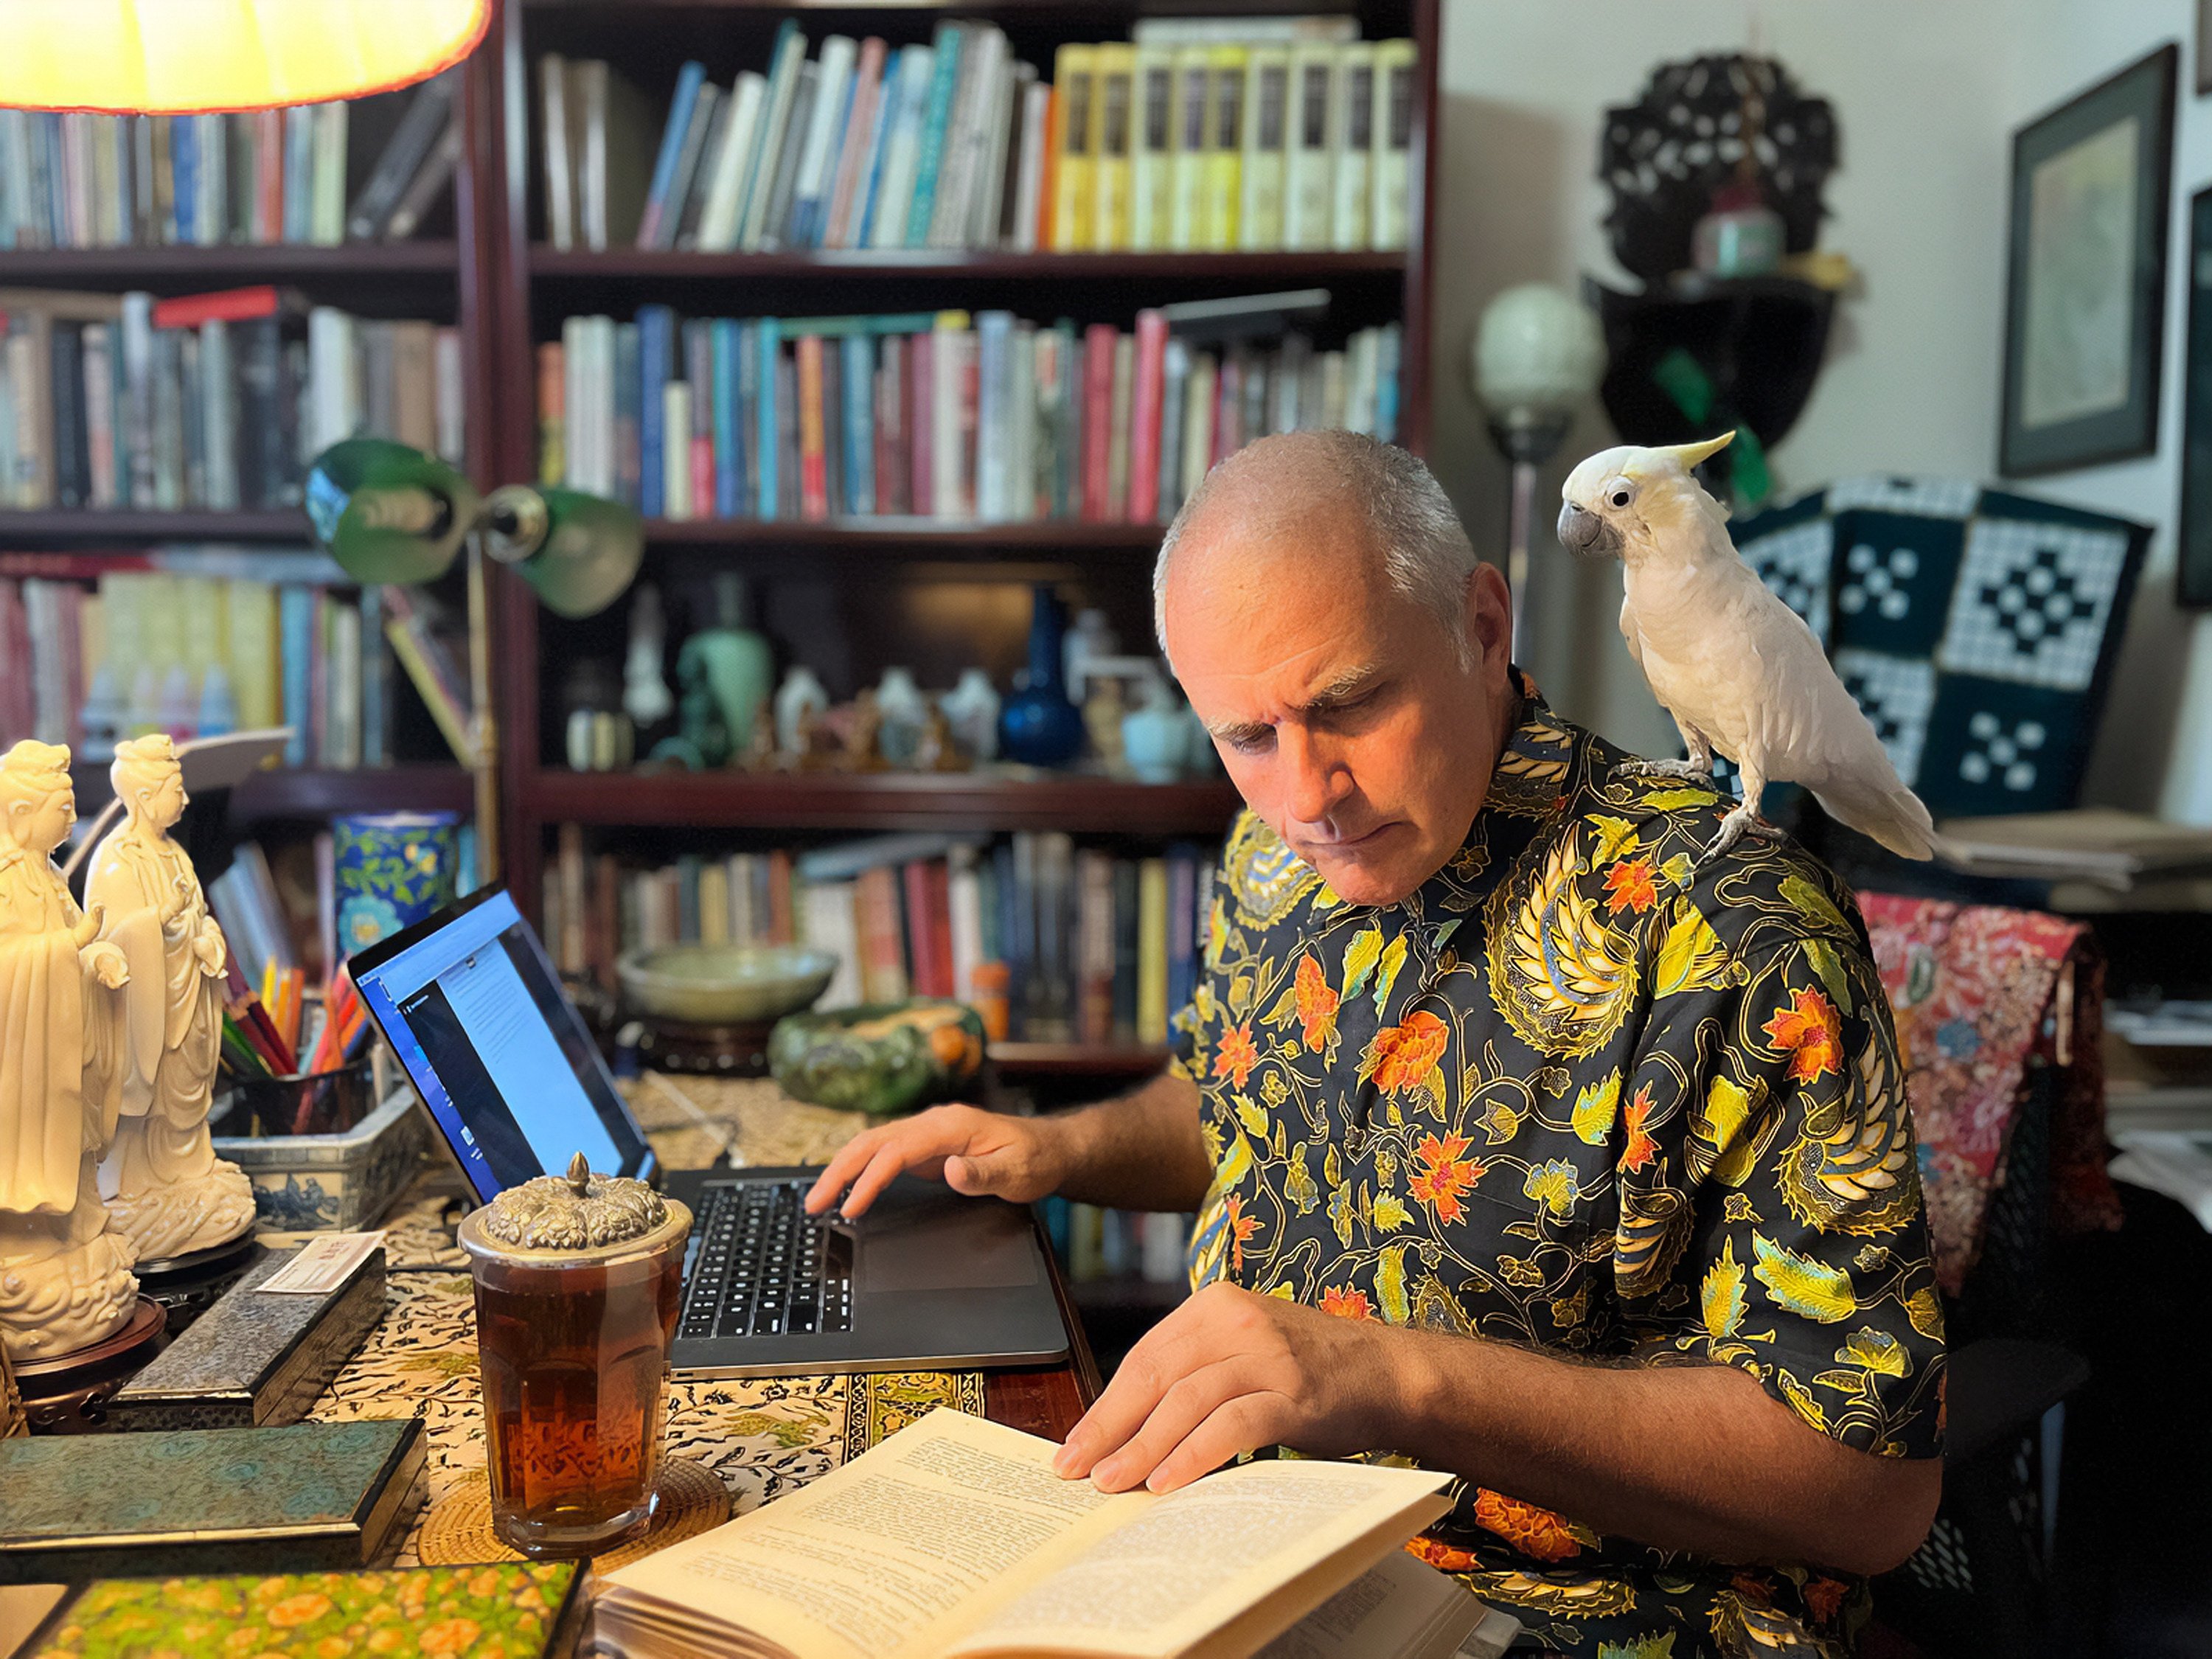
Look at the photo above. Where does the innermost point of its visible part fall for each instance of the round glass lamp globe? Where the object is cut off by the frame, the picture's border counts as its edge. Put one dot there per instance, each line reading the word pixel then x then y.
pixel 1538 351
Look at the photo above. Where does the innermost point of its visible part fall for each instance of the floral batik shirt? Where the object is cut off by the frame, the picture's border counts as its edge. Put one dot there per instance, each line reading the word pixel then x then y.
pixel 1578 1093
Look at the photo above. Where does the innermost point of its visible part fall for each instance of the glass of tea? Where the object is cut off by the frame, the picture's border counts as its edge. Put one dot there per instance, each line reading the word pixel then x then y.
pixel 578 1281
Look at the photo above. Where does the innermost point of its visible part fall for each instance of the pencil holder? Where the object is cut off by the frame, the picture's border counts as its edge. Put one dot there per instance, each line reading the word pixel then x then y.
pixel 311 1104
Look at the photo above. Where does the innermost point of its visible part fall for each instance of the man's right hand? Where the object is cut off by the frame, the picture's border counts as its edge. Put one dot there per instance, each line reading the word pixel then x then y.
pixel 973 1152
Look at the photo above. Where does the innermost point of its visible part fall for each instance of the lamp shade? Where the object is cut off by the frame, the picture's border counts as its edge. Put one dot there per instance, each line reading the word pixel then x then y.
pixel 177 56
pixel 578 552
pixel 1538 353
pixel 388 513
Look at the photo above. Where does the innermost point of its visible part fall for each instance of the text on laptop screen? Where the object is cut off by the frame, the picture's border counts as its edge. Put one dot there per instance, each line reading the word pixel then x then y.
pixel 501 1058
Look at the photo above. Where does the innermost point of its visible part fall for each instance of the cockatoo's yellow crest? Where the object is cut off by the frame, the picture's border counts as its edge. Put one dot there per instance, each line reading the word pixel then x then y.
pixel 1687 457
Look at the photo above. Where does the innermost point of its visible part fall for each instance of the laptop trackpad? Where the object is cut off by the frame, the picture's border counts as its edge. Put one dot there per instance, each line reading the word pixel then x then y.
pixel 961 1244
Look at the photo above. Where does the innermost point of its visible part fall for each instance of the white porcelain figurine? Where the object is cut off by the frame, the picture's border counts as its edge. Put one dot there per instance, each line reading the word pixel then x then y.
pixel 165 1187
pixel 65 1278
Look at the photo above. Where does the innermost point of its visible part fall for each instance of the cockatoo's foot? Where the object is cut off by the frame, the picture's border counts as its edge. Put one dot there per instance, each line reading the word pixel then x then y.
pixel 1742 822
pixel 1683 770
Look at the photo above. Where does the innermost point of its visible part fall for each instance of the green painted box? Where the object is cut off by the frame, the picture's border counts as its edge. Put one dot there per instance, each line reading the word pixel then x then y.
pixel 311 1498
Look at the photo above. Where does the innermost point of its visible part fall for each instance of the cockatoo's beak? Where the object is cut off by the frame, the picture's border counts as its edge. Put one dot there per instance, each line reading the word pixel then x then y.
pixel 1582 531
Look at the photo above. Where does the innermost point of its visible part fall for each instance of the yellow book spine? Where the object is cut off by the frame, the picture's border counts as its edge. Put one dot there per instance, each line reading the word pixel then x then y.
pixel 1152 149
pixel 1309 170
pixel 1186 168
pixel 1112 104
pixel 1073 85
pixel 1267 102
pixel 1224 155
pixel 1395 63
pixel 1152 1009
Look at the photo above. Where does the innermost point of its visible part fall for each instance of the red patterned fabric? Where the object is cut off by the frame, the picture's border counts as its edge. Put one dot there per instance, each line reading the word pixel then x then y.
pixel 1978 992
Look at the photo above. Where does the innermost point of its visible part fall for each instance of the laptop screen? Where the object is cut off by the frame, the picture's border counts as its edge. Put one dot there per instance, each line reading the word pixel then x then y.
pixel 475 1013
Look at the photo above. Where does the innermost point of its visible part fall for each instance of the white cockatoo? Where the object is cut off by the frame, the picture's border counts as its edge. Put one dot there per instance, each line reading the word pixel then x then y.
pixel 1739 670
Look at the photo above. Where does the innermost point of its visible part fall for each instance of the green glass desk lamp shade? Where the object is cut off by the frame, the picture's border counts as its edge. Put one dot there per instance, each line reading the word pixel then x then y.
pixel 387 512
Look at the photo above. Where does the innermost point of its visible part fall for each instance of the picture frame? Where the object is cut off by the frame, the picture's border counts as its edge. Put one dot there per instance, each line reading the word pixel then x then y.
pixel 2084 288
pixel 2193 560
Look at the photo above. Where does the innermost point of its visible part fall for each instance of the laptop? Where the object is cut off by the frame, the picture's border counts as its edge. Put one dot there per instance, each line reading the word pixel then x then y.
pixel 926 1280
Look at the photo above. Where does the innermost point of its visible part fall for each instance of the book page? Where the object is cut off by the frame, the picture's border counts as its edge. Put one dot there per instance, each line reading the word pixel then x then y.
pixel 862 1563
pixel 1162 1581
pixel 1399 1608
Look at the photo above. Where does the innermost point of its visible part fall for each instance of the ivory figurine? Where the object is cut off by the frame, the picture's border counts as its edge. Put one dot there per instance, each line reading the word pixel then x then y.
pixel 165 1187
pixel 65 1280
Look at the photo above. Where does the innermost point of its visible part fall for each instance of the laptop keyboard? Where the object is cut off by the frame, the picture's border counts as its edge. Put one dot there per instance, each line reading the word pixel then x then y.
pixel 762 1267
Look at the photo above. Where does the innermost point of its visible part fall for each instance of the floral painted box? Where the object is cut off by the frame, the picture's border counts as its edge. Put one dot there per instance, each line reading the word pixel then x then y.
pixel 311 1498
pixel 510 1610
pixel 255 1356
pixel 331 1184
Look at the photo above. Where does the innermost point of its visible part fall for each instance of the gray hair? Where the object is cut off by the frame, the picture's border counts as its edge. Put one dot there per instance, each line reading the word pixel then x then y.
pixel 1410 521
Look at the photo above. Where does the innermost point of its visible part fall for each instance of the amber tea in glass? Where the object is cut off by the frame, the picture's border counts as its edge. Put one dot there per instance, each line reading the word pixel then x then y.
pixel 573 1344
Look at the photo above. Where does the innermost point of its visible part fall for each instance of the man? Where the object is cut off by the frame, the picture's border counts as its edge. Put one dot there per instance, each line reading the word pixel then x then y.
pixel 1522 1144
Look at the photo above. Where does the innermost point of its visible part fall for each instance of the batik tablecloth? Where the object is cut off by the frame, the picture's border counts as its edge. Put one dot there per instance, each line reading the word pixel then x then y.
pixel 762 1435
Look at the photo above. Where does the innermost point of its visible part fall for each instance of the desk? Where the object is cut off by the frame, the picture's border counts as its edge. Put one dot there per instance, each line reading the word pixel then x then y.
pixel 762 1435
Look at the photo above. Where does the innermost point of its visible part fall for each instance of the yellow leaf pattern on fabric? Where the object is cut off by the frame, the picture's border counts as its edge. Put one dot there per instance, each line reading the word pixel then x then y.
pixel 1830 966
pixel 1390 1284
pixel 1720 1296
pixel 1924 1309
pixel 1595 1109
pixel 1561 976
pixel 1360 959
pixel 1390 1212
pixel 1669 800
pixel 1802 1284
pixel 1551 1184
pixel 1718 1146
pixel 1649 1240
pixel 1814 904
pixel 1874 1351
pixel 1690 956
pixel 1659 1644
pixel 1386 972
pixel 1251 1116
pixel 1616 839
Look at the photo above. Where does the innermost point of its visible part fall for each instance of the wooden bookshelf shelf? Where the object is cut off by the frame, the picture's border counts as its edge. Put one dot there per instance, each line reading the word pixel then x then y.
pixel 939 538
pixel 242 261
pixel 884 800
pixel 1267 270
pixel 125 526
pixel 314 792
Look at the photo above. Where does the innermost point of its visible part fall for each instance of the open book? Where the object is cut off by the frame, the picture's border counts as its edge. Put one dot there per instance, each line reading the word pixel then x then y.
pixel 954 1537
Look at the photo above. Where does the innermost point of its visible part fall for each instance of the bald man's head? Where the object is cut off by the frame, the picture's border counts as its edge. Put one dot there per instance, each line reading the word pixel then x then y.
pixel 1325 504
pixel 1331 629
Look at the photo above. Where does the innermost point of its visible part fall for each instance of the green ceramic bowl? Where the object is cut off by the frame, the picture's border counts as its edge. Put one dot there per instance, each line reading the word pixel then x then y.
pixel 723 984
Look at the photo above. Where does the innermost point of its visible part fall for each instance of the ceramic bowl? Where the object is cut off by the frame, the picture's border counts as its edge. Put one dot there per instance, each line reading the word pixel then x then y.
pixel 723 984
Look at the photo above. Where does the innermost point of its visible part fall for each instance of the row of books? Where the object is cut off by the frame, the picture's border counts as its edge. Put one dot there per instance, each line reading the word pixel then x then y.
pixel 81 180
pixel 208 400
pixel 197 642
pixel 1096 1244
pixel 1256 135
pixel 1050 942
pixel 947 416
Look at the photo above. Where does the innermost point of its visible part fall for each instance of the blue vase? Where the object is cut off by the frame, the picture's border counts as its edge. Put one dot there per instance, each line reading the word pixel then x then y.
pixel 1038 725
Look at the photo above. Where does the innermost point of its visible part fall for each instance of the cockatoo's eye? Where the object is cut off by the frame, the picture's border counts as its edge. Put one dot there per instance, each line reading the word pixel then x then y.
pixel 1620 496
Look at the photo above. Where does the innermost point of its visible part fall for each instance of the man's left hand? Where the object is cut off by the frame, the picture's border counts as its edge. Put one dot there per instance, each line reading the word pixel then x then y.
pixel 1231 1371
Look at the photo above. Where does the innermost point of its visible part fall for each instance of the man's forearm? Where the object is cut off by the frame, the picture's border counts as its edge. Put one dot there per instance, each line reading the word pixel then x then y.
pixel 1140 1150
pixel 1696 1457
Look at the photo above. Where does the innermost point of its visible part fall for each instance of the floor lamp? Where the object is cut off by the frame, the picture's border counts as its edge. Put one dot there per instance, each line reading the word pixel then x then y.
pixel 1538 355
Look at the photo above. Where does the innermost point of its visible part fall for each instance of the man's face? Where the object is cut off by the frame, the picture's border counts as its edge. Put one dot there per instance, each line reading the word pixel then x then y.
pixel 1342 710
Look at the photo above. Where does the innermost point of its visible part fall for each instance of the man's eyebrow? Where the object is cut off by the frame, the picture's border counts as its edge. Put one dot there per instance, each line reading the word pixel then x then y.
pixel 1341 690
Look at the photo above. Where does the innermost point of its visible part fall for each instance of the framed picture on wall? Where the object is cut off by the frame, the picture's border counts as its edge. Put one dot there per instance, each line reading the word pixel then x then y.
pixel 2193 568
pixel 2086 285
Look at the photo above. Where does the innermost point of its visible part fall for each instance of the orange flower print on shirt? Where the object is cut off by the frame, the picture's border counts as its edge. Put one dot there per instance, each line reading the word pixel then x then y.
pixel 1345 1304
pixel 1629 887
pixel 1533 1532
pixel 1444 1174
pixel 1810 1033
pixel 1404 1054
pixel 1642 1148
pixel 1317 1004
pixel 1236 1057
pixel 1241 1229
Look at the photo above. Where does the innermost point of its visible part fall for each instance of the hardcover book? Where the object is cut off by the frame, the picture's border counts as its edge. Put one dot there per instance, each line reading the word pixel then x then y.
pixel 314 1497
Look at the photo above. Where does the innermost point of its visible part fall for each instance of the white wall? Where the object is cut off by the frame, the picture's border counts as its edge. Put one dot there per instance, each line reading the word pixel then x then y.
pixel 1926 94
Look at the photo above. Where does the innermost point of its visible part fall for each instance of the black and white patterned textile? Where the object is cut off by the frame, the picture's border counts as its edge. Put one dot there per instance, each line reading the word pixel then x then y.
pixel 1976 628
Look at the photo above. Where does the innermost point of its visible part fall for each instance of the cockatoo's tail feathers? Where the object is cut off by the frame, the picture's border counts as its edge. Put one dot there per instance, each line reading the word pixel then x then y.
pixel 1896 818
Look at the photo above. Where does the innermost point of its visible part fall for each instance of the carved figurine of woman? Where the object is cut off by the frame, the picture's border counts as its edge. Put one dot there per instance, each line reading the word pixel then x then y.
pixel 65 1279
pixel 165 1186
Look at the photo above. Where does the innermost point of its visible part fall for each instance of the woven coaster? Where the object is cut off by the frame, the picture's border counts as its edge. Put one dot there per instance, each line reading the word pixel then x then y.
pixel 457 1531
